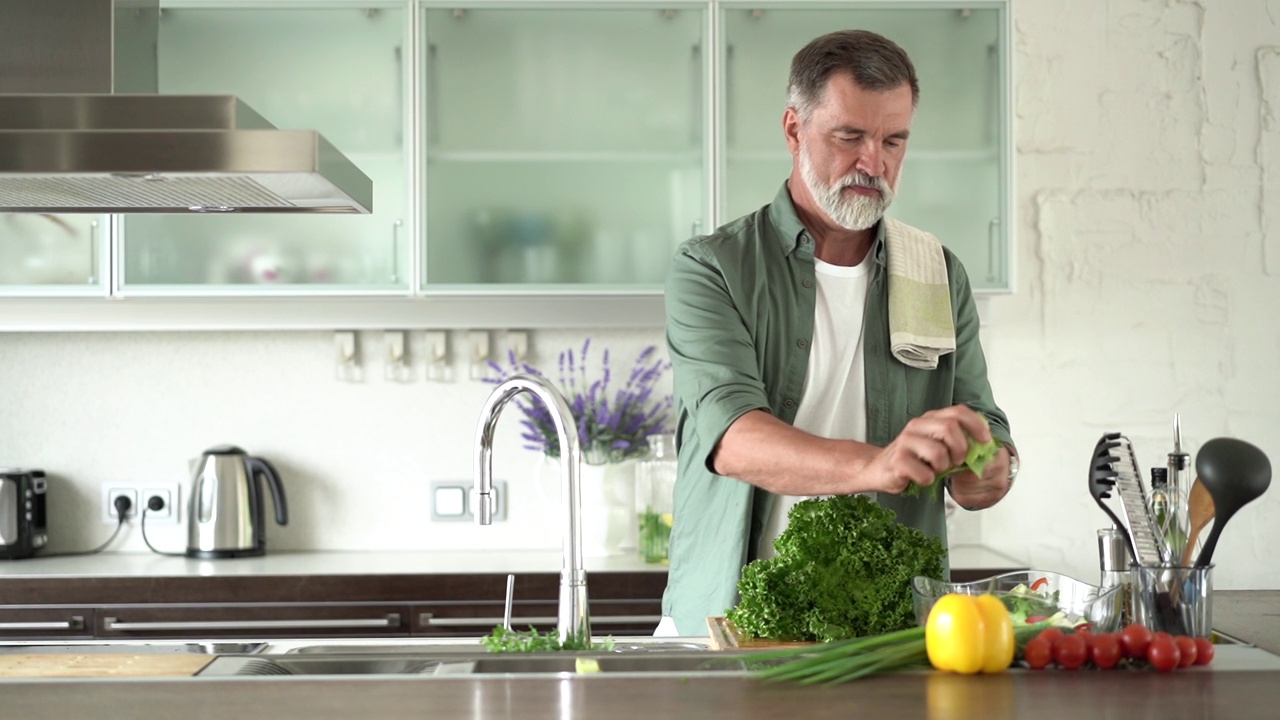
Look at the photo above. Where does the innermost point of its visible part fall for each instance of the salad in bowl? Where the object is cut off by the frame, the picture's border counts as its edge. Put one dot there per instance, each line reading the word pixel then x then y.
pixel 1033 596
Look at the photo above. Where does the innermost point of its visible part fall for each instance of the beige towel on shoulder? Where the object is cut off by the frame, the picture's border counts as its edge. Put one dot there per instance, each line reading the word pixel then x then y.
pixel 921 328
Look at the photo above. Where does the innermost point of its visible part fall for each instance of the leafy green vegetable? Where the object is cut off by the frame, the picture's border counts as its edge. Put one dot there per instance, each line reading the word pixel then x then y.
pixel 976 459
pixel 843 569
pixel 1023 603
pixel 504 640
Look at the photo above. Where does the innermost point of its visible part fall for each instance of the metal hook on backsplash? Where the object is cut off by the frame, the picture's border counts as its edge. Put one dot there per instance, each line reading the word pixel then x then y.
pixel 438 366
pixel 347 346
pixel 397 367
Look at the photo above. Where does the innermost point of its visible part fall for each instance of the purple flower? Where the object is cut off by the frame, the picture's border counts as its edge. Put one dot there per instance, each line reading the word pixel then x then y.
pixel 612 425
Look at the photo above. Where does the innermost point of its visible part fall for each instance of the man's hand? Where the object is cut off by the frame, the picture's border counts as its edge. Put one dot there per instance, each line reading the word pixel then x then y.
pixel 976 493
pixel 928 445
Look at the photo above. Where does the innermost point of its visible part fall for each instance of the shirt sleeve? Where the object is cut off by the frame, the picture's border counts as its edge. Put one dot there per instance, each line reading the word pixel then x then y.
pixel 972 387
pixel 716 374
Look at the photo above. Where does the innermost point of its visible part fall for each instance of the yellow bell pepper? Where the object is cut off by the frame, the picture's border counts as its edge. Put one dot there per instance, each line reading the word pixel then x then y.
pixel 967 634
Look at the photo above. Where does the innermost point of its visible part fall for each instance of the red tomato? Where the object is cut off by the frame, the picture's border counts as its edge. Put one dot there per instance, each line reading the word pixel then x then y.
pixel 1071 652
pixel 1038 653
pixel 1135 639
pixel 1163 654
pixel 1204 651
pixel 1053 634
pixel 1106 651
pixel 1187 647
pixel 1033 619
pixel 1161 635
pixel 1086 634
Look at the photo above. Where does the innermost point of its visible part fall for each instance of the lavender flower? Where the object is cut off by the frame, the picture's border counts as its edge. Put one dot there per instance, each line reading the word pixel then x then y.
pixel 612 425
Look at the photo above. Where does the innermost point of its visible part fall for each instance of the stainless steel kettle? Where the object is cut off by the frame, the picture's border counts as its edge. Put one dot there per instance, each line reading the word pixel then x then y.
pixel 226 517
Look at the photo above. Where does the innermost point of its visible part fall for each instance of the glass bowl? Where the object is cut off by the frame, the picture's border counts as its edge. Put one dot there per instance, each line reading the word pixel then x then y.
pixel 1029 593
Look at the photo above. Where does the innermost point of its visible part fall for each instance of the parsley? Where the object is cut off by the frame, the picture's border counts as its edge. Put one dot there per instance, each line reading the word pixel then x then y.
pixel 504 640
pixel 843 570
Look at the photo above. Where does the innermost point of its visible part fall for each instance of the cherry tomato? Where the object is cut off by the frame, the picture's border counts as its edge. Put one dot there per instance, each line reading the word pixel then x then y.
pixel 1163 654
pixel 1187 648
pixel 1106 651
pixel 1053 634
pixel 1033 619
pixel 1086 634
pixel 1135 639
pixel 1071 652
pixel 1204 651
pixel 1161 635
pixel 1038 653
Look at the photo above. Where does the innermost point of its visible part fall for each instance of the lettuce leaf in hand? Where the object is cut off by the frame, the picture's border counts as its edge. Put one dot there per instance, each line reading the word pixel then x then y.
pixel 976 459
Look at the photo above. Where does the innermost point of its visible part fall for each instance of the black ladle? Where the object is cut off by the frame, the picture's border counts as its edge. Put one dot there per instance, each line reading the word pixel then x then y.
pixel 1235 473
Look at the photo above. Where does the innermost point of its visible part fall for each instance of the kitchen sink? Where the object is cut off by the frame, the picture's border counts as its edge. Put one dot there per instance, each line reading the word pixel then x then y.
pixel 488 664
pixel 134 648
pixel 476 647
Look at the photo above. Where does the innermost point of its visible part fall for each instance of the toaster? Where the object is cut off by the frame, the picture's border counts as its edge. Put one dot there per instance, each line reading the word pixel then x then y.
pixel 22 512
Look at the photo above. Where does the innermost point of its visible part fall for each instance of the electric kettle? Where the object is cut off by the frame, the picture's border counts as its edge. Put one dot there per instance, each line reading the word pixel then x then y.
pixel 226 518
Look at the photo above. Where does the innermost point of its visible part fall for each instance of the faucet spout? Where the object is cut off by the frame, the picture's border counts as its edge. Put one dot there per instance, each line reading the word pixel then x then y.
pixel 573 620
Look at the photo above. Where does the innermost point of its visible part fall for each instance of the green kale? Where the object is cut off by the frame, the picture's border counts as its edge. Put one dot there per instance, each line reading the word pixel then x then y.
pixel 843 569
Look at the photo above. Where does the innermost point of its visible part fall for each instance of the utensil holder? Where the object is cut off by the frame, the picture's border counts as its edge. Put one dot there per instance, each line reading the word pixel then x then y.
pixel 1176 600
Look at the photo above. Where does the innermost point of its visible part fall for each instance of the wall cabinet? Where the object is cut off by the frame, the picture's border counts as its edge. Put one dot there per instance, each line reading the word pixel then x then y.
pixel 534 164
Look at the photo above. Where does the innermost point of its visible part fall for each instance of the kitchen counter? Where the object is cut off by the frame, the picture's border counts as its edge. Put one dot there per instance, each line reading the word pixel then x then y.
pixel 1048 695
pixel 479 562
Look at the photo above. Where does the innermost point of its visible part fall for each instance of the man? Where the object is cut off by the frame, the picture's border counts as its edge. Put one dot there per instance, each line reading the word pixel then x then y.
pixel 787 382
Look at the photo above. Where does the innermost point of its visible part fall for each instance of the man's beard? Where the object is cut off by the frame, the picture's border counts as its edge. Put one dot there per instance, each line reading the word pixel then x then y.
pixel 856 212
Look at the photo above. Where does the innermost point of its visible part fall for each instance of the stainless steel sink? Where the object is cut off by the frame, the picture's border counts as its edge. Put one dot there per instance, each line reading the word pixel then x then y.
pixel 490 664
pixel 476 647
pixel 176 647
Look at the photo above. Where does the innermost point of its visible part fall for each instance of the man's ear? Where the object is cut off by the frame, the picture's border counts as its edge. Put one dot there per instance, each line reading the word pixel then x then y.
pixel 792 125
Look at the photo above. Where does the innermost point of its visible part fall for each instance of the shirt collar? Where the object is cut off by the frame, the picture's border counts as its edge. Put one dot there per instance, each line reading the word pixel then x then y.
pixel 782 213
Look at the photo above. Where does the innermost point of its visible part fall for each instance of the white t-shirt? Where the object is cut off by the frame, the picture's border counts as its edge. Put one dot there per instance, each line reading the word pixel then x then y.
pixel 834 401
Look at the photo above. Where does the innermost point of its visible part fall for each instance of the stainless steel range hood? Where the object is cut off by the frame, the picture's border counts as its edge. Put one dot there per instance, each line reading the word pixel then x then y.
pixel 78 133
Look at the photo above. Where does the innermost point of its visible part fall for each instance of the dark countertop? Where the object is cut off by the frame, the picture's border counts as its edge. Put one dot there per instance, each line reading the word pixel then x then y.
pixel 1049 695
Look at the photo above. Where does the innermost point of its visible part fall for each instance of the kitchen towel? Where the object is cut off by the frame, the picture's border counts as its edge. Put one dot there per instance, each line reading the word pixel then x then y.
pixel 921 328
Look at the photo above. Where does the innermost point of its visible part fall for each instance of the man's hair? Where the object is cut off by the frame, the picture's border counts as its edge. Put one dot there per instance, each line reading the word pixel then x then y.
pixel 875 62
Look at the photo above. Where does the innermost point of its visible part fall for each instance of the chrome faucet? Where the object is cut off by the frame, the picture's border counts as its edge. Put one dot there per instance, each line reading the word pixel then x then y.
pixel 573 621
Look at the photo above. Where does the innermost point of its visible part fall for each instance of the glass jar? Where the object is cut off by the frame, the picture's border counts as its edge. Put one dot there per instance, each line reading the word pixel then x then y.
pixel 655 504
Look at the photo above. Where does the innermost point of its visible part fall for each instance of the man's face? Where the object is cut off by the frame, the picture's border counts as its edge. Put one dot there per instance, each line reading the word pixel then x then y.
pixel 850 151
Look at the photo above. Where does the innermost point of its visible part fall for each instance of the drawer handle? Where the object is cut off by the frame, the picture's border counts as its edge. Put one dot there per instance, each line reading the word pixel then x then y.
pixel 75 623
pixel 389 621
pixel 517 622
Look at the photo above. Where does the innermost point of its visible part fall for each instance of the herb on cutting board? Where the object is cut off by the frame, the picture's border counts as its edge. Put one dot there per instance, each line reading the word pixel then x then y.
pixel 843 569
pixel 504 640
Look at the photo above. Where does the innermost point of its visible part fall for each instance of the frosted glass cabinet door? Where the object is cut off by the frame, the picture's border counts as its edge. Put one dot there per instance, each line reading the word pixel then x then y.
pixel 335 69
pixel 563 146
pixel 51 254
pixel 954 181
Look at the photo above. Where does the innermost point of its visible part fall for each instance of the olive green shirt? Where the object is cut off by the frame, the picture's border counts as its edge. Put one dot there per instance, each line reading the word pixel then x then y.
pixel 740 312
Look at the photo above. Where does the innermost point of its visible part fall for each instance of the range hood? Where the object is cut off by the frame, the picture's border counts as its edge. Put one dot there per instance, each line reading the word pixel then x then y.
pixel 81 130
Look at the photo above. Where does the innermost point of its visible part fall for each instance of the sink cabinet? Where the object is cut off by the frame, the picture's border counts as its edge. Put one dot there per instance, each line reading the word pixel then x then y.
pixel 313 606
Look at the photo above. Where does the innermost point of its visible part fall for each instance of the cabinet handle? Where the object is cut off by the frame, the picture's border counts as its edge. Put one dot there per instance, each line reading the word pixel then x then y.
pixel 433 87
pixel 516 622
pixel 75 623
pixel 993 242
pixel 728 95
pixel 390 620
pixel 695 107
pixel 93 253
pixel 395 250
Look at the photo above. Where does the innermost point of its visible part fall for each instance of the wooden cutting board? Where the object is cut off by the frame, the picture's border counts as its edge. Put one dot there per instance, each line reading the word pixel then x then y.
pixel 71 665
pixel 724 636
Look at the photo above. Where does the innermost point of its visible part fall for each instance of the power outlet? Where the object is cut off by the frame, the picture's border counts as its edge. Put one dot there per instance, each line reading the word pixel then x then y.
pixel 110 491
pixel 453 501
pixel 139 494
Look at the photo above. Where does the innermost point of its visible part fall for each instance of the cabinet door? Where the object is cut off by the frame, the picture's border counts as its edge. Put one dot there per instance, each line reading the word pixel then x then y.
pixel 253 620
pixel 338 70
pixel 954 182
pixel 52 254
pixel 46 623
pixel 563 146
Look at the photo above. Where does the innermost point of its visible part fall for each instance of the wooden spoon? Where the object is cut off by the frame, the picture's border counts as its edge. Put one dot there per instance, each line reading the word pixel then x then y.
pixel 1201 512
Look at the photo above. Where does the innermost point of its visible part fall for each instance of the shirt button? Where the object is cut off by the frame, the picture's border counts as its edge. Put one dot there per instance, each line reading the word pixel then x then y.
pixel 807 283
pixel 788 404
pixel 802 343
pixel 804 239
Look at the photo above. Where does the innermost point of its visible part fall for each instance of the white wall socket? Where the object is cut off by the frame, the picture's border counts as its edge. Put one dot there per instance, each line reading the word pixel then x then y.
pixel 139 493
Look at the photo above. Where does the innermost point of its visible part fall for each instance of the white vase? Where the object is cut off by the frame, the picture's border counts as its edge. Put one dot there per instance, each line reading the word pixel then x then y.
pixel 608 493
